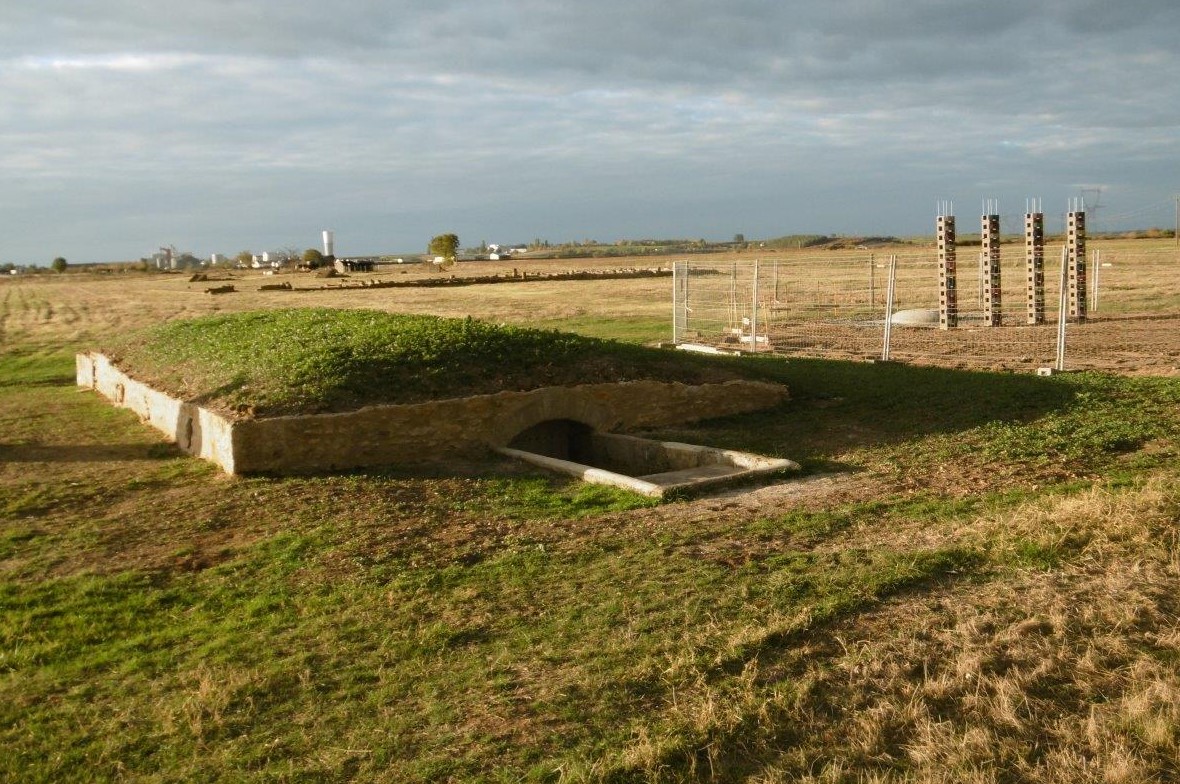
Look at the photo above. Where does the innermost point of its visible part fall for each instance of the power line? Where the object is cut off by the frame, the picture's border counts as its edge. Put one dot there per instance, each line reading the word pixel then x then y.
pixel 1091 207
pixel 1155 208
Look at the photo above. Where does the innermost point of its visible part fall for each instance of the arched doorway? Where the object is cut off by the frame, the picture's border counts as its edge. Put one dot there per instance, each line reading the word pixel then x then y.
pixel 564 439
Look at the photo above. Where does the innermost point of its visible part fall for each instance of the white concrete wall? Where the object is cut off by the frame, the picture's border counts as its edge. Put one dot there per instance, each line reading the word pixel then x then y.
pixel 194 429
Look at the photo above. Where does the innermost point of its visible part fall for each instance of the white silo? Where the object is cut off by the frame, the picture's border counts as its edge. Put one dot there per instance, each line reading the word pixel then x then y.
pixel 329 243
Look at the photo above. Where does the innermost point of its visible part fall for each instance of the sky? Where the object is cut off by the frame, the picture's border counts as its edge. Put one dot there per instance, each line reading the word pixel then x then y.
pixel 226 125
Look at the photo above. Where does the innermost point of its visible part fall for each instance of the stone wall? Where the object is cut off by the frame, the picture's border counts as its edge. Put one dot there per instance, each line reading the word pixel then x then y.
pixel 417 433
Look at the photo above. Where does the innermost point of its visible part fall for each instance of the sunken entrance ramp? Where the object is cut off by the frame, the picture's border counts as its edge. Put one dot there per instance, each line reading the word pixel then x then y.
pixel 653 468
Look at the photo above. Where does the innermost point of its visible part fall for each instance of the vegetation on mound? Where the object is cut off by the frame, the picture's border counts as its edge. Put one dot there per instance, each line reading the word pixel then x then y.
pixel 308 360
pixel 828 242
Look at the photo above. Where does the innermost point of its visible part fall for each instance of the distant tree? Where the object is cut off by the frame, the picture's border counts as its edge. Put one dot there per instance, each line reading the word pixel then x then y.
pixel 59 264
pixel 739 238
pixel 445 245
pixel 313 258
pixel 244 258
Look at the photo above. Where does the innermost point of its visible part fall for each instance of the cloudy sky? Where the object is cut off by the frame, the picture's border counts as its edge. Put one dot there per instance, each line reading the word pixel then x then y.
pixel 223 125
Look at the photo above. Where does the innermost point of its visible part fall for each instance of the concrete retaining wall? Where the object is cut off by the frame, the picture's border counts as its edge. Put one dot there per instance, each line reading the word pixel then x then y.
pixel 416 433
pixel 195 430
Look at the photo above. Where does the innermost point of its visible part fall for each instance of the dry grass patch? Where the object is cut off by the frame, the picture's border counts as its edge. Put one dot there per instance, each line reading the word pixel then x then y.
pixel 1062 675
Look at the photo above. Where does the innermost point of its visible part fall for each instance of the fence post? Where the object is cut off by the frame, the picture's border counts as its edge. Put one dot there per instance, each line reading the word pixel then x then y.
pixel 889 291
pixel 677 273
pixel 734 317
pixel 1097 265
pixel 872 282
pixel 754 312
pixel 1062 309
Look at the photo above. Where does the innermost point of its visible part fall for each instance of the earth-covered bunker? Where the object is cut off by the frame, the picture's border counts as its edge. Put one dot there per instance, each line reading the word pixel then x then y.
pixel 555 393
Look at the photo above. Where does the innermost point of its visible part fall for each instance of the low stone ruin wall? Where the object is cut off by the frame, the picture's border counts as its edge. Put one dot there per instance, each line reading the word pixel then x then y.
pixel 516 276
pixel 415 433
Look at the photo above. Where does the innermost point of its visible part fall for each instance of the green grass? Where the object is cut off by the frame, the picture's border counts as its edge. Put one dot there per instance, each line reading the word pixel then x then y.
pixel 524 662
pixel 1109 415
pixel 160 621
pixel 845 413
pixel 309 360
pixel 634 329
pixel 25 367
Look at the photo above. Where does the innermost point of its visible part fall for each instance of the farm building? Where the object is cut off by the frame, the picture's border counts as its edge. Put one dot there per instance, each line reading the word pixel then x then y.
pixel 354 265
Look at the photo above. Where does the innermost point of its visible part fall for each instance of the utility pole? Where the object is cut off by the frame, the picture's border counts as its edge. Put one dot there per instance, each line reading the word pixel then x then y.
pixel 1091 207
pixel 1176 233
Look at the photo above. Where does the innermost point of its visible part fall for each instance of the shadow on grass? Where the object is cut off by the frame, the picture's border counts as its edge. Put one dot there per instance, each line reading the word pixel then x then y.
pixel 223 391
pixel 836 406
pixel 36 367
pixel 86 453
pixel 45 381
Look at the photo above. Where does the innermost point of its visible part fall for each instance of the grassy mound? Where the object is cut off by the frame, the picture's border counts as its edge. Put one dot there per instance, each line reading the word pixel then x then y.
pixel 307 360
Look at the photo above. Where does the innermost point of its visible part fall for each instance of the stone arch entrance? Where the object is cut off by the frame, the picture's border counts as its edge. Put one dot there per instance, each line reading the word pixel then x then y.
pixel 565 439
pixel 574 407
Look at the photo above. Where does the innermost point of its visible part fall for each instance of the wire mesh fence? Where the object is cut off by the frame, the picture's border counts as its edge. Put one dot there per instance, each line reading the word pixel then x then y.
pixel 874 305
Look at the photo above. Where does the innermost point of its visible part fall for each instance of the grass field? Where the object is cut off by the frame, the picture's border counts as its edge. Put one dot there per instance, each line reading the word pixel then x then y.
pixel 977 578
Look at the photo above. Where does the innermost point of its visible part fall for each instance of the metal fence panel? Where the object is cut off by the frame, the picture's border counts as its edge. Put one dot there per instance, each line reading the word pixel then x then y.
pixel 835 306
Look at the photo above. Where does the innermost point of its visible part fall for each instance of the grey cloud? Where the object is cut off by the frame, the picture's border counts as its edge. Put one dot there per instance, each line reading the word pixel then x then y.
pixel 223 119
